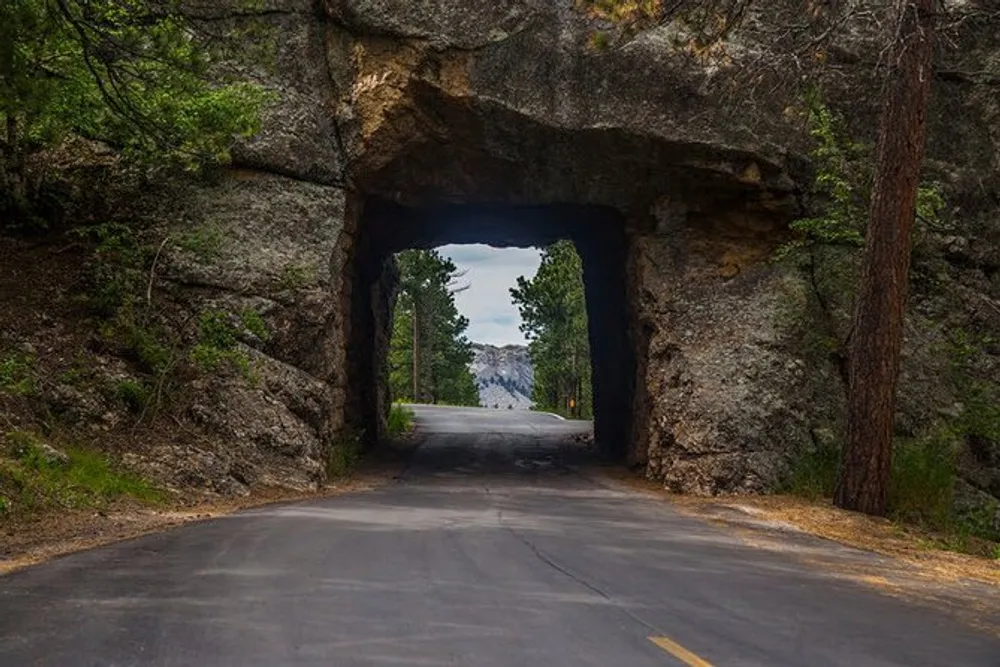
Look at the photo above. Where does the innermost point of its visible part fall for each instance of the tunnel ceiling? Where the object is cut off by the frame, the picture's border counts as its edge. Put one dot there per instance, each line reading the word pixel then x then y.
pixel 473 151
pixel 394 227
pixel 470 102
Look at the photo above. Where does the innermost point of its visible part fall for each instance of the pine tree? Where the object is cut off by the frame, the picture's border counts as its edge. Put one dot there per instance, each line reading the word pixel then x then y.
pixel 138 75
pixel 877 332
pixel 429 354
pixel 554 312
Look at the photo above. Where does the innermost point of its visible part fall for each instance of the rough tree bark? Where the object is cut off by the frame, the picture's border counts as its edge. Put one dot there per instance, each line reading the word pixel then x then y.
pixel 416 350
pixel 877 332
pixel 13 178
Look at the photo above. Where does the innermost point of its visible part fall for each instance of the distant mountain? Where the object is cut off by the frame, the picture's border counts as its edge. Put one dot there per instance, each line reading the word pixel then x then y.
pixel 504 376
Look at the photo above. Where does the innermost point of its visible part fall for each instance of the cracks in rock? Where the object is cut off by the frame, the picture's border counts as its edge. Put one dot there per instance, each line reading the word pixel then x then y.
pixel 340 184
pixel 423 40
pixel 695 456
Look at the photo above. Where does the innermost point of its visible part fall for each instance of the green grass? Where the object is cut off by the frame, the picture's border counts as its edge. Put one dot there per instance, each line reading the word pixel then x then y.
pixel 922 487
pixel 814 475
pixel 133 395
pixel 921 491
pixel 16 374
pixel 344 454
pixel 400 420
pixel 32 481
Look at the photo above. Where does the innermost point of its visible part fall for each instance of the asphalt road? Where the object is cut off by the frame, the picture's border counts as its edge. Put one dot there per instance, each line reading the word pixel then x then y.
pixel 492 552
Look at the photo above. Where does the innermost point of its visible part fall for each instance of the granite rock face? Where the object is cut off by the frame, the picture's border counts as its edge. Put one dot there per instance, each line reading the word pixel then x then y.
pixel 504 376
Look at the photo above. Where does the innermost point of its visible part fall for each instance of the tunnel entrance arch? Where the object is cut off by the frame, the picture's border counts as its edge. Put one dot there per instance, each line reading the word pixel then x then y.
pixel 599 235
pixel 674 227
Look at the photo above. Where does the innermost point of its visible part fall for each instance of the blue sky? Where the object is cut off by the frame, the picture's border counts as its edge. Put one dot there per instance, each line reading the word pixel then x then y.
pixel 491 272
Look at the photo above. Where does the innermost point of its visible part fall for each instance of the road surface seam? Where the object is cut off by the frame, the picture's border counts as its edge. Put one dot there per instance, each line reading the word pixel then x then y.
pixel 540 555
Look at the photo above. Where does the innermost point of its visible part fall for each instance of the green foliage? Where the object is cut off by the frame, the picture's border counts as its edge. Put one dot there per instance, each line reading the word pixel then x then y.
pixel 31 479
pixel 137 74
pixel 921 492
pixel 17 375
pixel 120 277
pixel 81 373
pixel 218 344
pixel 344 455
pixel 813 475
pixel 118 268
pixel 843 182
pixel 205 243
pixel 978 523
pixel 829 244
pixel 922 485
pixel 400 420
pixel 553 309
pixel 979 398
pixel 427 293
pixel 255 324
pixel 134 395
pixel 146 342
pixel 215 330
pixel 121 294
pixel 294 277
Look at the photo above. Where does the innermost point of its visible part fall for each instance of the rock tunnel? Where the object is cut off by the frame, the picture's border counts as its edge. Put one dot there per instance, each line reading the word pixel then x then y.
pixel 670 234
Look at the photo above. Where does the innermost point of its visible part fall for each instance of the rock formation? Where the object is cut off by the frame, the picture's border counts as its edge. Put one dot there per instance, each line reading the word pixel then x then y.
pixel 504 376
pixel 406 124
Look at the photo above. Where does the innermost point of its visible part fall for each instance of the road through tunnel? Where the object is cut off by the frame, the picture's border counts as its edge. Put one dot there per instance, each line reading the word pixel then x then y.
pixel 597 232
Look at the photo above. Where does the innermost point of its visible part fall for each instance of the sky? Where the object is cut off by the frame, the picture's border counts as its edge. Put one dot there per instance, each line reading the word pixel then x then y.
pixel 491 272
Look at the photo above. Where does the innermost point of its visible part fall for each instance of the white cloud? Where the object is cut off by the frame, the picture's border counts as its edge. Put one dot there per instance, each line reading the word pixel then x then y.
pixel 491 272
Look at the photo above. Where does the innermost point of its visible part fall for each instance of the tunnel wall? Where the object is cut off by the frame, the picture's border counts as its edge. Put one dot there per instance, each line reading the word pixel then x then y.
pixel 727 393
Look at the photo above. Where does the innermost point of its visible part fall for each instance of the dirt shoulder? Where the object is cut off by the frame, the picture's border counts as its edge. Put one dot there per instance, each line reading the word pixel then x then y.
pixel 28 542
pixel 854 547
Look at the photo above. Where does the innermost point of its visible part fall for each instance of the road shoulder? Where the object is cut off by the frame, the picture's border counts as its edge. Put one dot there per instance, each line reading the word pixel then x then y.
pixel 843 545
pixel 54 534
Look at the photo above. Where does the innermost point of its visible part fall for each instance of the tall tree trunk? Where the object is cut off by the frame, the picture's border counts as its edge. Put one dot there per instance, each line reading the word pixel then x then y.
pixel 877 333
pixel 12 171
pixel 416 350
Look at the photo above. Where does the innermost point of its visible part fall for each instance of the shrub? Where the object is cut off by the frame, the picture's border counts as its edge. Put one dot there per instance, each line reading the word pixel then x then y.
pixel 134 395
pixel 344 454
pixel 921 485
pixel 16 375
pixel 255 324
pixel 146 344
pixel 218 344
pixel 119 266
pixel 921 489
pixel 205 243
pixel 400 420
pixel 814 474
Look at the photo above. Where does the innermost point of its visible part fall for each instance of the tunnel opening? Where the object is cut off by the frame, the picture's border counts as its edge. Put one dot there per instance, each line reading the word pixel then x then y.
pixel 386 228
pixel 464 318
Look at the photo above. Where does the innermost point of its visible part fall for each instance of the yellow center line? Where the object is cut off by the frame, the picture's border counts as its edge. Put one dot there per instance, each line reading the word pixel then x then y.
pixel 679 652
